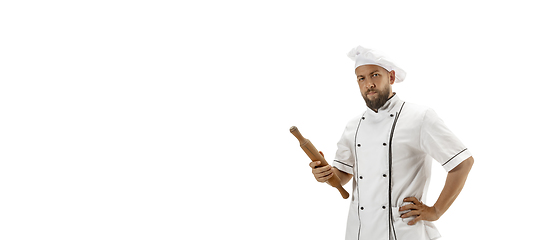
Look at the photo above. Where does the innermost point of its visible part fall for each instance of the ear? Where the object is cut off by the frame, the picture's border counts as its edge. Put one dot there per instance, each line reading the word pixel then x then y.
pixel 392 77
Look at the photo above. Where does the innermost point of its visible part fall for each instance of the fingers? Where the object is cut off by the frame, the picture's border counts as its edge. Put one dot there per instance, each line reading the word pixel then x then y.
pixel 419 210
pixel 411 213
pixel 416 204
pixel 414 200
pixel 412 222
pixel 314 164
pixel 322 174
pixel 321 170
pixel 325 178
pixel 409 207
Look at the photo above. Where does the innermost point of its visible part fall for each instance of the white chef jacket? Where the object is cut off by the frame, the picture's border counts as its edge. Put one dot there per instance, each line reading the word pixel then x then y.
pixel 389 154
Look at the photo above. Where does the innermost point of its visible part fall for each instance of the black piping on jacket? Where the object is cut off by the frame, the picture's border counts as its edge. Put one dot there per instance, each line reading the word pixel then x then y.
pixel 391 224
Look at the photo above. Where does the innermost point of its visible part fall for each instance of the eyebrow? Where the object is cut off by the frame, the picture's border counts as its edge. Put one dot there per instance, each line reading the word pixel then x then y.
pixel 369 74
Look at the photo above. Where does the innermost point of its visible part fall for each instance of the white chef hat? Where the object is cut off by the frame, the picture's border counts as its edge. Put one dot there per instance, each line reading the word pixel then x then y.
pixel 365 56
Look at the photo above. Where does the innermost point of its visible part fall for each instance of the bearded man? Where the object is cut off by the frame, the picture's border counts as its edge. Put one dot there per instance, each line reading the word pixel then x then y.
pixel 388 151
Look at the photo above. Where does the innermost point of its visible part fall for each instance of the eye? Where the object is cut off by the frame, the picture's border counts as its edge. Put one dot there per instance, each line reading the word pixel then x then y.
pixel 360 79
pixel 375 75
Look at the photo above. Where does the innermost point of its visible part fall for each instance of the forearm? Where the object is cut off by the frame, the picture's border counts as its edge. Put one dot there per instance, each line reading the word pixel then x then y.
pixel 455 180
pixel 344 177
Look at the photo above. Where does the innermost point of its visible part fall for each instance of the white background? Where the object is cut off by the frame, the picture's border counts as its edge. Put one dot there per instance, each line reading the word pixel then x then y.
pixel 169 120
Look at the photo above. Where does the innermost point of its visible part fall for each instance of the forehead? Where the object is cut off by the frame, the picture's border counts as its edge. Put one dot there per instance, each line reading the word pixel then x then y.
pixel 367 69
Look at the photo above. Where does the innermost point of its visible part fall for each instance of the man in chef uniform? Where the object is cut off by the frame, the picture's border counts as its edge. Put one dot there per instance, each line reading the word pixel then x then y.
pixel 388 151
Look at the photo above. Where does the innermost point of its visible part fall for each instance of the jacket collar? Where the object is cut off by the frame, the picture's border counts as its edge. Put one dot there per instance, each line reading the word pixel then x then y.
pixel 389 107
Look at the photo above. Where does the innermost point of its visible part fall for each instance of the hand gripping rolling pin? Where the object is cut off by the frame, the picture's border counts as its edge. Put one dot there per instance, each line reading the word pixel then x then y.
pixel 314 154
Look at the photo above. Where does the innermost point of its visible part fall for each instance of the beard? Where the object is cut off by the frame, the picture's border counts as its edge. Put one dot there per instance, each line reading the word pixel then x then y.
pixel 379 100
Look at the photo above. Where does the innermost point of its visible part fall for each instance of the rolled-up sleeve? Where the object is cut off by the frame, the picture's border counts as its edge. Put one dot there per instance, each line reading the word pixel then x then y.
pixel 440 143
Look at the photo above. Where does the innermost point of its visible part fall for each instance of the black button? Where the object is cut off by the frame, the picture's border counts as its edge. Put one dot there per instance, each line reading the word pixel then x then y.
pixel 383 207
pixel 384 175
pixel 362 208
pixel 360 177
pixel 392 115
pixel 384 144
pixel 358 145
pixel 363 118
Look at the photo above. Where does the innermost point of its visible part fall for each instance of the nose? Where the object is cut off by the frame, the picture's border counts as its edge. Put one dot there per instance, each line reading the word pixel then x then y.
pixel 370 84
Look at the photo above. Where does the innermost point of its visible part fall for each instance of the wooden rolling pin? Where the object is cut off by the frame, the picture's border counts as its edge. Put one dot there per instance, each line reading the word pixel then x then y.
pixel 314 155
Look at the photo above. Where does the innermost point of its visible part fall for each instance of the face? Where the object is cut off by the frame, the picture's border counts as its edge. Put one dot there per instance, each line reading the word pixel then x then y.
pixel 375 84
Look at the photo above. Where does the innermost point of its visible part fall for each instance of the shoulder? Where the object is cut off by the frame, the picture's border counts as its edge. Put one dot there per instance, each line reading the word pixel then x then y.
pixel 354 122
pixel 422 115
pixel 415 108
pixel 417 112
